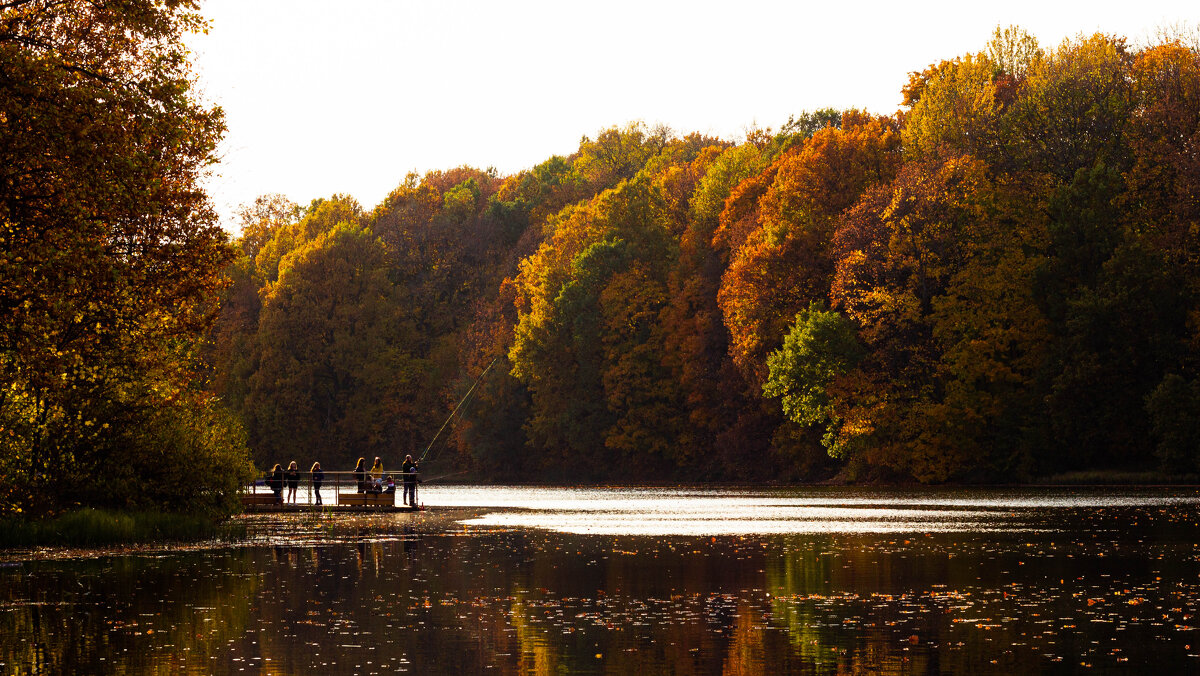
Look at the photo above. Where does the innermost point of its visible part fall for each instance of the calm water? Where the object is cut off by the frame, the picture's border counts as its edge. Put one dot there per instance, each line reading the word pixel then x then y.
pixel 546 581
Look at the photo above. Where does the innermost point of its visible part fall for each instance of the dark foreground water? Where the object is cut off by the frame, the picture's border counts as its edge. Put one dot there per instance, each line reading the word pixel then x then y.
pixel 641 581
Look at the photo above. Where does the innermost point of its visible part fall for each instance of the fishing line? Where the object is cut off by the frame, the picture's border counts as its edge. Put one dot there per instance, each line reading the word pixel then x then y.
pixel 444 476
pixel 466 407
pixel 460 403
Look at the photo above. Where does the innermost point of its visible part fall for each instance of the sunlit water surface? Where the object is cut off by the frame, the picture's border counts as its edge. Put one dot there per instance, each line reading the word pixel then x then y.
pixel 640 580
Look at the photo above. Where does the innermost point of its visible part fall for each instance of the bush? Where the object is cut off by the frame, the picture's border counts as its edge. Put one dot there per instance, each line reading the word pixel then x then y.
pixel 186 458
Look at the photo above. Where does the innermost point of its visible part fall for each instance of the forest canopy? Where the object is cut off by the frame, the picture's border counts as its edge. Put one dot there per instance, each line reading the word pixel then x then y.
pixel 997 282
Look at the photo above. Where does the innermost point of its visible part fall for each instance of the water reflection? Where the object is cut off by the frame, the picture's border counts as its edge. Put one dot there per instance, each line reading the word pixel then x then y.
pixel 749 521
pixel 1107 582
pixel 671 499
pixel 658 512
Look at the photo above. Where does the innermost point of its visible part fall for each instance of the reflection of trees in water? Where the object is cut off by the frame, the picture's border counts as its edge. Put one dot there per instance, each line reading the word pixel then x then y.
pixel 529 602
pixel 590 609
pixel 831 600
pixel 537 655
pixel 115 615
pixel 748 653
pixel 378 604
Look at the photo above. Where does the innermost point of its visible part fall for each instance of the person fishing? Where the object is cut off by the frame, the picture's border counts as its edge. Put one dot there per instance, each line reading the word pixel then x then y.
pixel 409 471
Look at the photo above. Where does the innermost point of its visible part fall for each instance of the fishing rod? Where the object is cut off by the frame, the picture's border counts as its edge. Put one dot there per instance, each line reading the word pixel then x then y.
pixel 452 413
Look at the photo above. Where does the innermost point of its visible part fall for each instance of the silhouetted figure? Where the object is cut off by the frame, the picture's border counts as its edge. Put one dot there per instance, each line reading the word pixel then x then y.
pixel 409 471
pixel 360 475
pixel 292 475
pixel 276 483
pixel 318 478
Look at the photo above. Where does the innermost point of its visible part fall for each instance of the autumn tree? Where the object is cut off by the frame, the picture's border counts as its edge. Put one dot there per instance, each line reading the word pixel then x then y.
pixel 1163 205
pixel 957 110
pixel 558 351
pixel 1111 286
pixel 784 264
pixel 1073 107
pixel 715 397
pixel 619 153
pixel 938 281
pixel 334 371
pixel 1173 407
pixel 111 251
pixel 232 339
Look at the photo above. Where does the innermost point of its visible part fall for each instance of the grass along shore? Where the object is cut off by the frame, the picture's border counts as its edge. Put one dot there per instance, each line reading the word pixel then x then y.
pixel 94 527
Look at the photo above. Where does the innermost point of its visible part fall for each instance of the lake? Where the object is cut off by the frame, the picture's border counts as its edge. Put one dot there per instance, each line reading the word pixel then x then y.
pixel 519 580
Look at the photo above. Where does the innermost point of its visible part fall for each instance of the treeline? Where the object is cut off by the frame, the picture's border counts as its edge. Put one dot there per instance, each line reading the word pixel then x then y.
pixel 995 283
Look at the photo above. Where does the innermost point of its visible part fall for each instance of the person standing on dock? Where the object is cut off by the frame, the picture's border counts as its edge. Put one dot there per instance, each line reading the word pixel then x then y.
pixel 360 475
pixel 318 478
pixel 409 470
pixel 377 469
pixel 276 483
pixel 293 481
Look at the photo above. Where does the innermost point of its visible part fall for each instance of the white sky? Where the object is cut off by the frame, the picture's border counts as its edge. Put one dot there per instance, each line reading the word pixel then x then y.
pixel 348 96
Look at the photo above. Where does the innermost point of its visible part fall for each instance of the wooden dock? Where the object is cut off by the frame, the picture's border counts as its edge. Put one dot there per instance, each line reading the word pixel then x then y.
pixel 305 507
pixel 338 492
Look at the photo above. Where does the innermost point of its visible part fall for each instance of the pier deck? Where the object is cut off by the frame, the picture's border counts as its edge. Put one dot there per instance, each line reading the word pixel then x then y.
pixel 336 492
pixel 305 507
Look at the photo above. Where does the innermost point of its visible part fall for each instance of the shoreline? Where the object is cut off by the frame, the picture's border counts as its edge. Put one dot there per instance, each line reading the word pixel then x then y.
pixel 431 520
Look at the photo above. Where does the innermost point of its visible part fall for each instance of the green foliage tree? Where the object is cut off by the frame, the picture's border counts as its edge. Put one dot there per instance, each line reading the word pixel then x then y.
pixel 820 347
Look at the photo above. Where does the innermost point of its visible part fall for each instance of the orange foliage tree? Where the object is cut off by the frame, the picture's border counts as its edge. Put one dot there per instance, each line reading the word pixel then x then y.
pixel 784 264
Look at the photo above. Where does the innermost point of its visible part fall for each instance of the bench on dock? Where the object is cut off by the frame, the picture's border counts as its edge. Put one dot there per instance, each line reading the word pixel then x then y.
pixel 256 499
pixel 367 499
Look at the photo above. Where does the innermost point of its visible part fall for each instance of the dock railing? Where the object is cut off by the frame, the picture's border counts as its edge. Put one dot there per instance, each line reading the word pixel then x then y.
pixel 334 482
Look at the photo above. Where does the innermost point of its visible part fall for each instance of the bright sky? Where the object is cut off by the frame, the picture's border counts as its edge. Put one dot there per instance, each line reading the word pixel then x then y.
pixel 349 96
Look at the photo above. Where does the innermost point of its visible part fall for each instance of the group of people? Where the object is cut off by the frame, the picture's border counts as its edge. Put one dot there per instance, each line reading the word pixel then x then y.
pixel 374 481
